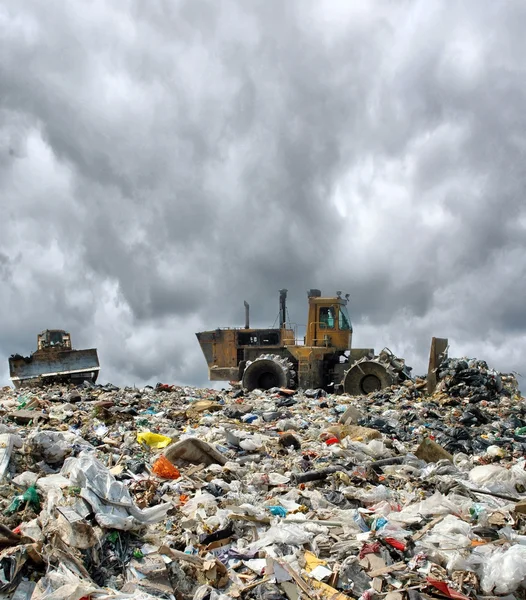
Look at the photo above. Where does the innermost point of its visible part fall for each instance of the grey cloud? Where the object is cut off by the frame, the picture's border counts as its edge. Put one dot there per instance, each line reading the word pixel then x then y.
pixel 162 162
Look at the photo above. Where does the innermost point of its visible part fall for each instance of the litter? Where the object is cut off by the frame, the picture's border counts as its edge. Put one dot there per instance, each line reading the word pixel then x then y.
pixel 177 492
pixel 154 440
pixel 164 468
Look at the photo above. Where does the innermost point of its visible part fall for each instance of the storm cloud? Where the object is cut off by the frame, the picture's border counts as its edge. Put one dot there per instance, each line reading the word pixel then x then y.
pixel 161 162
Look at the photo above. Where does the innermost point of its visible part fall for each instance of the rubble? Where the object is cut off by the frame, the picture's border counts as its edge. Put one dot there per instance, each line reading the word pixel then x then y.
pixel 176 492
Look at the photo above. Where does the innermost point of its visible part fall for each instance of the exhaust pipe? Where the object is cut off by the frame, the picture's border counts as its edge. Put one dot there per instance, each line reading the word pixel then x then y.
pixel 247 315
pixel 282 308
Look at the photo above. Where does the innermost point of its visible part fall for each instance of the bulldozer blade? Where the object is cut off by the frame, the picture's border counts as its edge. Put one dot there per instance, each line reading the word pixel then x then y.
pixel 438 353
pixel 65 365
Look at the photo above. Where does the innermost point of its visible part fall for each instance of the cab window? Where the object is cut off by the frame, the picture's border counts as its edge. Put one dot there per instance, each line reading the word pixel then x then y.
pixel 327 317
pixel 344 323
pixel 55 338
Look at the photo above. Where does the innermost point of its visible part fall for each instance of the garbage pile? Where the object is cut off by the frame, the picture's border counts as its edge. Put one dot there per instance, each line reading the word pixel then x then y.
pixel 176 492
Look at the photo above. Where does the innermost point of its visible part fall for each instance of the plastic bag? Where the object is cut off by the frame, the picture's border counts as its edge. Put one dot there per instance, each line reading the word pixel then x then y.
pixel 110 499
pixel 289 505
pixel 504 571
pixel 30 496
pixel 447 541
pixel 32 530
pixel 54 446
pixel 278 511
pixel 26 478
pixel 268 479
pixel 437 504
pixel 63 584
pixel 374 495
pixel 284 533
pixel 205 500
pixel 164 468
pixel 252 443
pixel 498 479
pixel 154 440
pixel 6 447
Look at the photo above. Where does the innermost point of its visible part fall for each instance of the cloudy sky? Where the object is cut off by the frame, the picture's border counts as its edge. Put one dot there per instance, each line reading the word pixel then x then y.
pixel 162 161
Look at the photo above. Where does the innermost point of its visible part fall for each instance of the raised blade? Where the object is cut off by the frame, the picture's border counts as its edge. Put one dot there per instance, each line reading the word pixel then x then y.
pixel 65 364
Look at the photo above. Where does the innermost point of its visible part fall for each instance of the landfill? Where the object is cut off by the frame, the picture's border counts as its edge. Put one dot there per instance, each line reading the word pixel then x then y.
pixel 184 493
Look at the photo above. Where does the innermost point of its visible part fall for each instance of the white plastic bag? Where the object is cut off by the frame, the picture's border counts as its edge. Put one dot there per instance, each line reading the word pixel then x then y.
pixel 63 584
pixel 447 541
pixel 498 479
pixel 54 446
pixel 110 499
pixel 294 535
pixel 504 571
pixel 437 504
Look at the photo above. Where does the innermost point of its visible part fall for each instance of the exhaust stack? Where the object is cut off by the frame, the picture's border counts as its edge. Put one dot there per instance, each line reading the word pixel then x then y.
pixel 282 308
pixel 247 315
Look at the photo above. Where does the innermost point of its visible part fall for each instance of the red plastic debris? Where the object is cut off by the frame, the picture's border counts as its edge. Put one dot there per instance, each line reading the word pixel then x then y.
pixel 332 440
pixel 395 543
pixel 444 588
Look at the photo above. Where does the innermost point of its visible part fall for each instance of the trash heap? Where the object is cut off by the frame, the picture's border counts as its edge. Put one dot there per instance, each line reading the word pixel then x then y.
pixel 176 492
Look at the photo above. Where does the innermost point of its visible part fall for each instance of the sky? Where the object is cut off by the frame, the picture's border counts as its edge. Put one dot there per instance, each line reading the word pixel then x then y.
pixel 163 161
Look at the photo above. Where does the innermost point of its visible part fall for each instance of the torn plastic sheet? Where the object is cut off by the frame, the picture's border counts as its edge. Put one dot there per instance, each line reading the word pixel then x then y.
pixel 24 591
pixel 149 573
pixel 63 583
pixel 498 479
pixel 11 563
pixel 110 499
pixel 13 560
pixel 501 570
pixel 6 447
pixel 54 446
pixel 293 535
pixel 437 504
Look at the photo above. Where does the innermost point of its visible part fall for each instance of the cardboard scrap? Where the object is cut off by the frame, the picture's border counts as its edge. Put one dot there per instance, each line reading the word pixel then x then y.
pixel 354 432
pixel 327 592
pixel 202 406
pixel 351 416
pixel 432 452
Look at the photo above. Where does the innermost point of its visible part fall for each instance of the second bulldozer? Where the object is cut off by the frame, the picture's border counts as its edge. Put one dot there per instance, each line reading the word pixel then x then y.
pixel 54 361
pixel 267 358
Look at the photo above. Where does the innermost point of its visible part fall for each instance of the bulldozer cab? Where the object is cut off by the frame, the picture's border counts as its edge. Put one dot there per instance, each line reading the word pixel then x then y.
pixel 54 338
pixel 328 323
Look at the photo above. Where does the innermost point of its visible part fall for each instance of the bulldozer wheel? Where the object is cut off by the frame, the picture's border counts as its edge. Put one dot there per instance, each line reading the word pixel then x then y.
pixel 268 371
pixel 366 377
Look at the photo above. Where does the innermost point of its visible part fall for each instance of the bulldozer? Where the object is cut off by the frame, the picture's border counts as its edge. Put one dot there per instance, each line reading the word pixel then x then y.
pixel 268 358
pixel 54 361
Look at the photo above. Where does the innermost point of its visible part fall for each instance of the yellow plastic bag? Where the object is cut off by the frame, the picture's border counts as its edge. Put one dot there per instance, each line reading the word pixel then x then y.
pixel 154 440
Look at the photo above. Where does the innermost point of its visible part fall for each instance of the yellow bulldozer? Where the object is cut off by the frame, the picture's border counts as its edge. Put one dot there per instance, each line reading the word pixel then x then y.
pixel 324 358
pixel 54 361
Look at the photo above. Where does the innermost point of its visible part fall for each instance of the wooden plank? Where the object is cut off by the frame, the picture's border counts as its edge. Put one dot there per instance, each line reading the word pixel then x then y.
pixel 427 527
pixel 388 569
